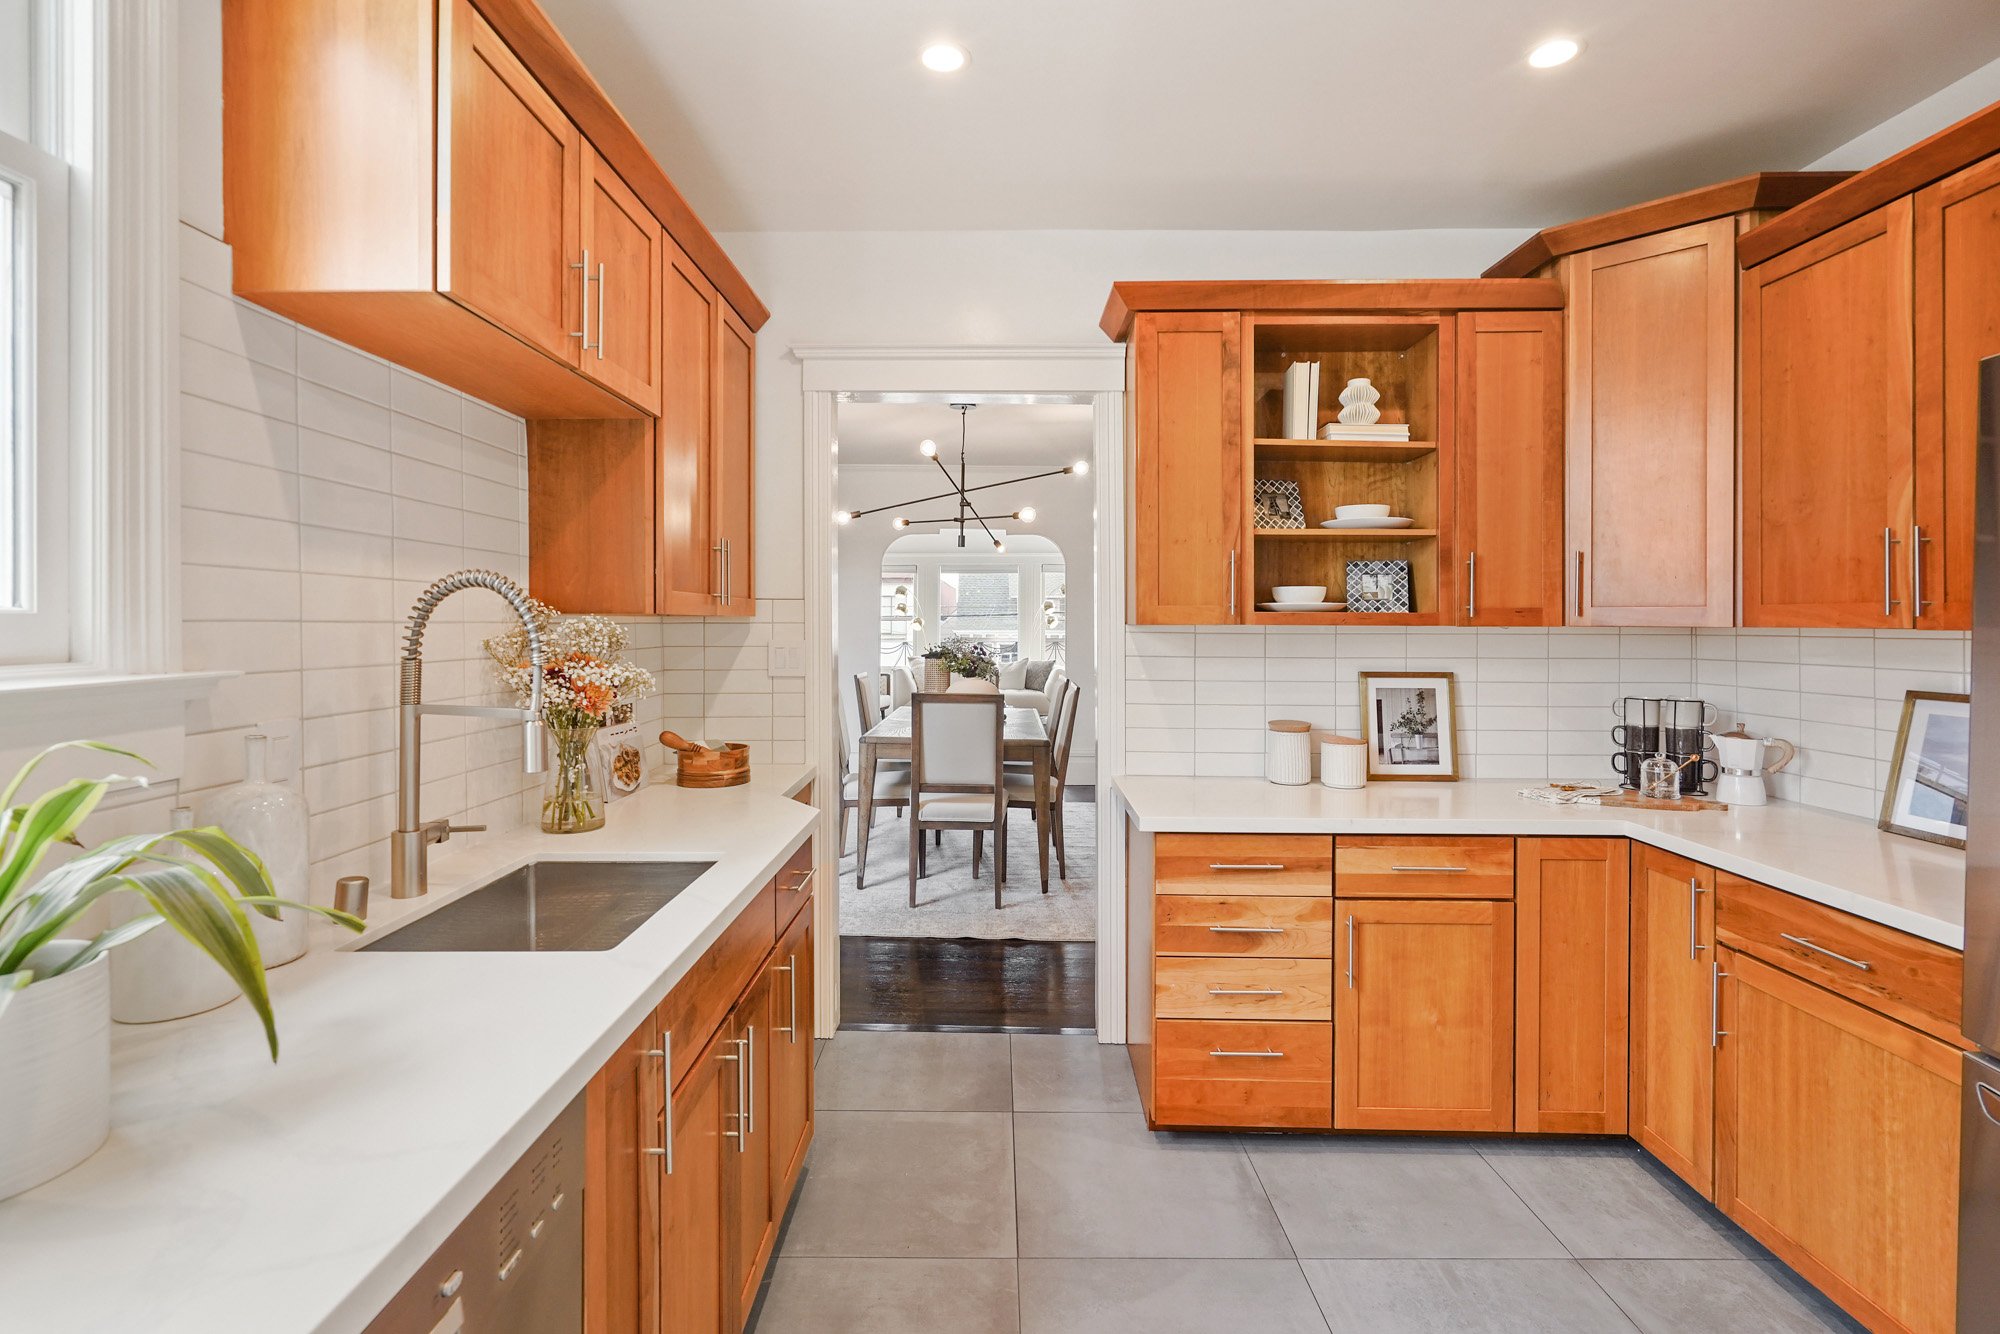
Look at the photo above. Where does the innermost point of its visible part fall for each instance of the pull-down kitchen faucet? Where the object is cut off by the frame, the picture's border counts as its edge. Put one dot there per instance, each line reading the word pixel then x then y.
pixel 409 845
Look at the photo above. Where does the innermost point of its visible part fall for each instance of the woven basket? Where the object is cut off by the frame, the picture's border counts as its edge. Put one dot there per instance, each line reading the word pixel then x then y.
pixel 937 677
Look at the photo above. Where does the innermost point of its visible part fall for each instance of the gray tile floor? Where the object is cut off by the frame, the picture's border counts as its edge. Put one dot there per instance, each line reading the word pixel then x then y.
pixel 984 1184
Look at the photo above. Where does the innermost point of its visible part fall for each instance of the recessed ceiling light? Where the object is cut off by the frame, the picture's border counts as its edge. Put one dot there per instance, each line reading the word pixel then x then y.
pixel 944 57
pixel 1557 51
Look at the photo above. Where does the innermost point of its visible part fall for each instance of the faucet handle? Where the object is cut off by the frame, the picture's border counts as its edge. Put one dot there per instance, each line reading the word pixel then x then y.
pixel 437 831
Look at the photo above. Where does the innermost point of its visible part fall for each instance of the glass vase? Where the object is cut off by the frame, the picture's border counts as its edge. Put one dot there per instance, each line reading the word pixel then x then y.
pixel 572 792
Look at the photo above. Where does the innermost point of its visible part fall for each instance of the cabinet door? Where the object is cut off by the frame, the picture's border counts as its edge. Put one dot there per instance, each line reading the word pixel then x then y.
pixel 1571 969
pixel 734 481
pixel 622 240
pixel 1188 498
pixel 690 322
pixel 1672 1070
pixel 621 1198
pixel 509 168
pixel 1957 226
pixel 1506 519
pixel 1650 460
pixel 1837 1145
pixel 791 1026
pixel 750 1227
pixel 1424 1015
pixel 692 1300
pixel 1827 453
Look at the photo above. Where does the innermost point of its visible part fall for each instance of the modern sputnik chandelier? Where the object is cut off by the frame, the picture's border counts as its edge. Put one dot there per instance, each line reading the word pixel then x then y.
pixel 968 510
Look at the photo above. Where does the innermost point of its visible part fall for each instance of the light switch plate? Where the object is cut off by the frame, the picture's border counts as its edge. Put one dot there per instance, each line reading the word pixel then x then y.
pixel 788 660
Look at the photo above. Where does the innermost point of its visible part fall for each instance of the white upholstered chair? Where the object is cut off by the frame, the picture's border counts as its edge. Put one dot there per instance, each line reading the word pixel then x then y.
pixel 956 777
pixel 1021 783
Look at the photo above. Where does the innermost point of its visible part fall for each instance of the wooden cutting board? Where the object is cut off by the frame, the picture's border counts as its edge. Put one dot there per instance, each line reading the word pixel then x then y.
pixel 1633 801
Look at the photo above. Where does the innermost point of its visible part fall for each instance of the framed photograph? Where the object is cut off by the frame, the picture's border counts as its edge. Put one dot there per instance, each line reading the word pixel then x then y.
pixel 1929 769
pixel 1378 585
pixel 1278 504
pixel 1409 721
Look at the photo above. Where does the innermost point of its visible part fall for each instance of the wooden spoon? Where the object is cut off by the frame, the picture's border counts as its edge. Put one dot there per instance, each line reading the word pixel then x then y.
pixel 675 741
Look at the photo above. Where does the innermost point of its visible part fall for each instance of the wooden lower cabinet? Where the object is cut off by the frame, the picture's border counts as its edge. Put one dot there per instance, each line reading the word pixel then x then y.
pixel 622 1188
pixel 1254 1075
pixel 1837 1145
pixel 791 1056
pixel 692 1300
pixel 1672 1065
pixel 1572 914
pixel 1424 1015
pixel 750 1222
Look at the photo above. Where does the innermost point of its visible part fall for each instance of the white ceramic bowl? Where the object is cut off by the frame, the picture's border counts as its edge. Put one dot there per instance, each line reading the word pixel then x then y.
pixel 1360 511
pixel 1299 593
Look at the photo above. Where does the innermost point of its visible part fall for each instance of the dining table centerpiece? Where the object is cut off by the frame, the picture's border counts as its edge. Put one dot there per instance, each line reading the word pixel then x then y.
pixel 585 678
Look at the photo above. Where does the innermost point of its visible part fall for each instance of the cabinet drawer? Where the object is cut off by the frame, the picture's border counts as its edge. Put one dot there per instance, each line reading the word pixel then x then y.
pixel 1243 988
pixel 793 886
pixel 1403 866
pixel 1252 1075
pixel 1296 865
pixel 1890 971
pixel 1244 924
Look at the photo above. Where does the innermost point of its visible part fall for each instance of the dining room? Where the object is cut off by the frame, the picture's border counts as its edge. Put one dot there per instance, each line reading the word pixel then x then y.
pixel 963 628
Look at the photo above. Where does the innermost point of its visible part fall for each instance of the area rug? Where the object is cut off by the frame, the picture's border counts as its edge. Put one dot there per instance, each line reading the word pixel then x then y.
pixel 952 905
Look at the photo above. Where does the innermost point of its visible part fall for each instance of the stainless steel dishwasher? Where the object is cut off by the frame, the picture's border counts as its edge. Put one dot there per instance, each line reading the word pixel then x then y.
pixel 515 1265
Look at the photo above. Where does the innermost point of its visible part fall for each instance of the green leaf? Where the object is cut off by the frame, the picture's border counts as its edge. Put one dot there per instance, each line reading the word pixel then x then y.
pixel 7 797
pixel 217 926
pixel 11 983
pixel 50 817
pixel 245 869
pixel 105 940
pixel 259 901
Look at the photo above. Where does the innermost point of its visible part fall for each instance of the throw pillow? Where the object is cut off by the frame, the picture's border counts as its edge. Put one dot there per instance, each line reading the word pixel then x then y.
pixel 1014 675
pixel 1038 673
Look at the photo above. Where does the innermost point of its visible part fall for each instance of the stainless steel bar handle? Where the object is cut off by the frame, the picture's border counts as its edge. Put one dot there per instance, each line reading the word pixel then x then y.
pixel 1888 571
pixel 1988 1096
pixel 664 1055
pixel 750 1076
pixel 1266 1054
pixel 1350 951
pixel 1248 930
pixel 600 310
pixel 1245 991
pixel 1817 948
pixel 1695 947
pixel 1246 866
pixel 1434 870
pixel 804 880
pixel 1232 581
pixel 1716 1032
pixel 1579 585
pixel 790 968
pixel 1471 584
pixel 1917 540
pixel 737 1115
pixel 582 329
pixel 721 572
pixel 728 572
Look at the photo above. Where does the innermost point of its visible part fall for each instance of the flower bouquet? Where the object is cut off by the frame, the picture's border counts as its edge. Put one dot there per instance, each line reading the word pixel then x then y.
pixel 958 656
pixel 585 676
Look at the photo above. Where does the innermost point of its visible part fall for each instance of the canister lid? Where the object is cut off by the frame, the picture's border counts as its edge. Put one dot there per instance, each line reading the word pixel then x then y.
pixel 1289 725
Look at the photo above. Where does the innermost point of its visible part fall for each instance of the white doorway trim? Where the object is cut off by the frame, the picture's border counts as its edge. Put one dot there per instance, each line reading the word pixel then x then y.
pixel 1095 371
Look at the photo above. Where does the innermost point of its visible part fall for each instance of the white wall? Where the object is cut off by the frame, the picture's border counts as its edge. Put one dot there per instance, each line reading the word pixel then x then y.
pixel 1952 103
pixel 1063 514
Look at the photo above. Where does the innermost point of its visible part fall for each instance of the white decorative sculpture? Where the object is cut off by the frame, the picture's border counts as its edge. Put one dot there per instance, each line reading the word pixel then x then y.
pixel 1357 403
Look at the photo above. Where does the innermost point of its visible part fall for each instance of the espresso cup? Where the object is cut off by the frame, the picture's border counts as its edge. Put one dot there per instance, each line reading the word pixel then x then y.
pixel 1636 736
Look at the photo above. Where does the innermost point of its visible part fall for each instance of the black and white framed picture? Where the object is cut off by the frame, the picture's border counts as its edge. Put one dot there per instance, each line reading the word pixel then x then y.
pixel 1278 504
pixel 1408 720
pixel 1929 769
pixel 1378 585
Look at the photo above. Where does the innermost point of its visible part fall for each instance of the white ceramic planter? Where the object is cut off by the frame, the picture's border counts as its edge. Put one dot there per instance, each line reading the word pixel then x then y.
pixel 55 1074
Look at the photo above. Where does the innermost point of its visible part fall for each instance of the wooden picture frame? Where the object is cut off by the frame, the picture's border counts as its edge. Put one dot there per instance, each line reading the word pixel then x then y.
pixel 1937 772
pixel 1399 753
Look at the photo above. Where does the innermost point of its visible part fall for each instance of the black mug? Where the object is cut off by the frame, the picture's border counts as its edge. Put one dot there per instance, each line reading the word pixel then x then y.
pixel 1637 736
pixel 1626 764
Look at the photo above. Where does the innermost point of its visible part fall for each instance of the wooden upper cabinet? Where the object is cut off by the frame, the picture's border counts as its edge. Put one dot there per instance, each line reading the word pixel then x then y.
pixel 1957 241
pixel 733 479
pixel 1508 459
pixel 510 167
pixel 622 250
pixel 1672 1068
pixel 1651 441
pixel 1572 926
pixel 1185 373
pixel 1837 1145
pixel 1827 456
pixel 1423 1015
pixel 690 326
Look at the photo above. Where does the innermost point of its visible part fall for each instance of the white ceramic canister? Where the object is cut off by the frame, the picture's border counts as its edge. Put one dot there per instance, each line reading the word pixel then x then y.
pixel 1343 762
pixel 161 975
pixel 1288 752
pixel 55 1072
pixel 270 820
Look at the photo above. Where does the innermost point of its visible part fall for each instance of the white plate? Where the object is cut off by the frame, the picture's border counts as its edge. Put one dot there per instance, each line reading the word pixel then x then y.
pixel 1302 606
pixel 1366 523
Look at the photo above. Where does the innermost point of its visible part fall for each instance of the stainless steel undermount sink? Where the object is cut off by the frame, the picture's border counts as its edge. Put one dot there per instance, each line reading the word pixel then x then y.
pixel 548 906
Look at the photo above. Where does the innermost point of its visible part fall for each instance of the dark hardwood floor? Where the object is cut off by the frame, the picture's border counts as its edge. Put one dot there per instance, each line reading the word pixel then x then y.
pixel 993 986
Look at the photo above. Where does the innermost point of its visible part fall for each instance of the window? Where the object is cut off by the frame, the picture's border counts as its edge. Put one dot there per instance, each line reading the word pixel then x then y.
pixel 898 614
pixel 37 597
pixel 1055 613
pixel 982 604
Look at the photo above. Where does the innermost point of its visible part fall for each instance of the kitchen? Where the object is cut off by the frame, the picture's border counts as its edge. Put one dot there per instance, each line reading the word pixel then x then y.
pixel 346 361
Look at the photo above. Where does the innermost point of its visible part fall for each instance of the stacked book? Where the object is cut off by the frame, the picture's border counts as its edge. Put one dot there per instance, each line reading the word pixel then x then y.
pixel 1378 431
pixel 1301 400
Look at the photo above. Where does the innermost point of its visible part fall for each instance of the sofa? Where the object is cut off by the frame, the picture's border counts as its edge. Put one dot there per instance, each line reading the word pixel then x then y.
pixel 1016 686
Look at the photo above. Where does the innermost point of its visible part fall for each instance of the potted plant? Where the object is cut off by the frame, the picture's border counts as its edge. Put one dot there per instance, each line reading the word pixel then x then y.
pixel 958 656
pixel 55 987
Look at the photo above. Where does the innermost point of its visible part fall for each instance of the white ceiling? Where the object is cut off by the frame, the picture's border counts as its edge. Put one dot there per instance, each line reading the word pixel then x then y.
pixel 1254 114
pixel 1048 435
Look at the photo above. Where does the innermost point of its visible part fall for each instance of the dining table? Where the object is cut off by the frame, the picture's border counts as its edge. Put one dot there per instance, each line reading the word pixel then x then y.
pixel 1024 736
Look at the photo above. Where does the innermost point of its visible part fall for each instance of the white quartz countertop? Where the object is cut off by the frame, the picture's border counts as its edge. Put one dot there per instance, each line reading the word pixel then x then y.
pixel 1838 860
pixel 235 1194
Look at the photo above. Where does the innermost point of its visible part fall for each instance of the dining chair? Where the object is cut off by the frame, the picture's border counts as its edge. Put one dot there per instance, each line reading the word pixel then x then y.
pixel 1064 689
pixel 956 778
pixel 1021 786
pixel 892 788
